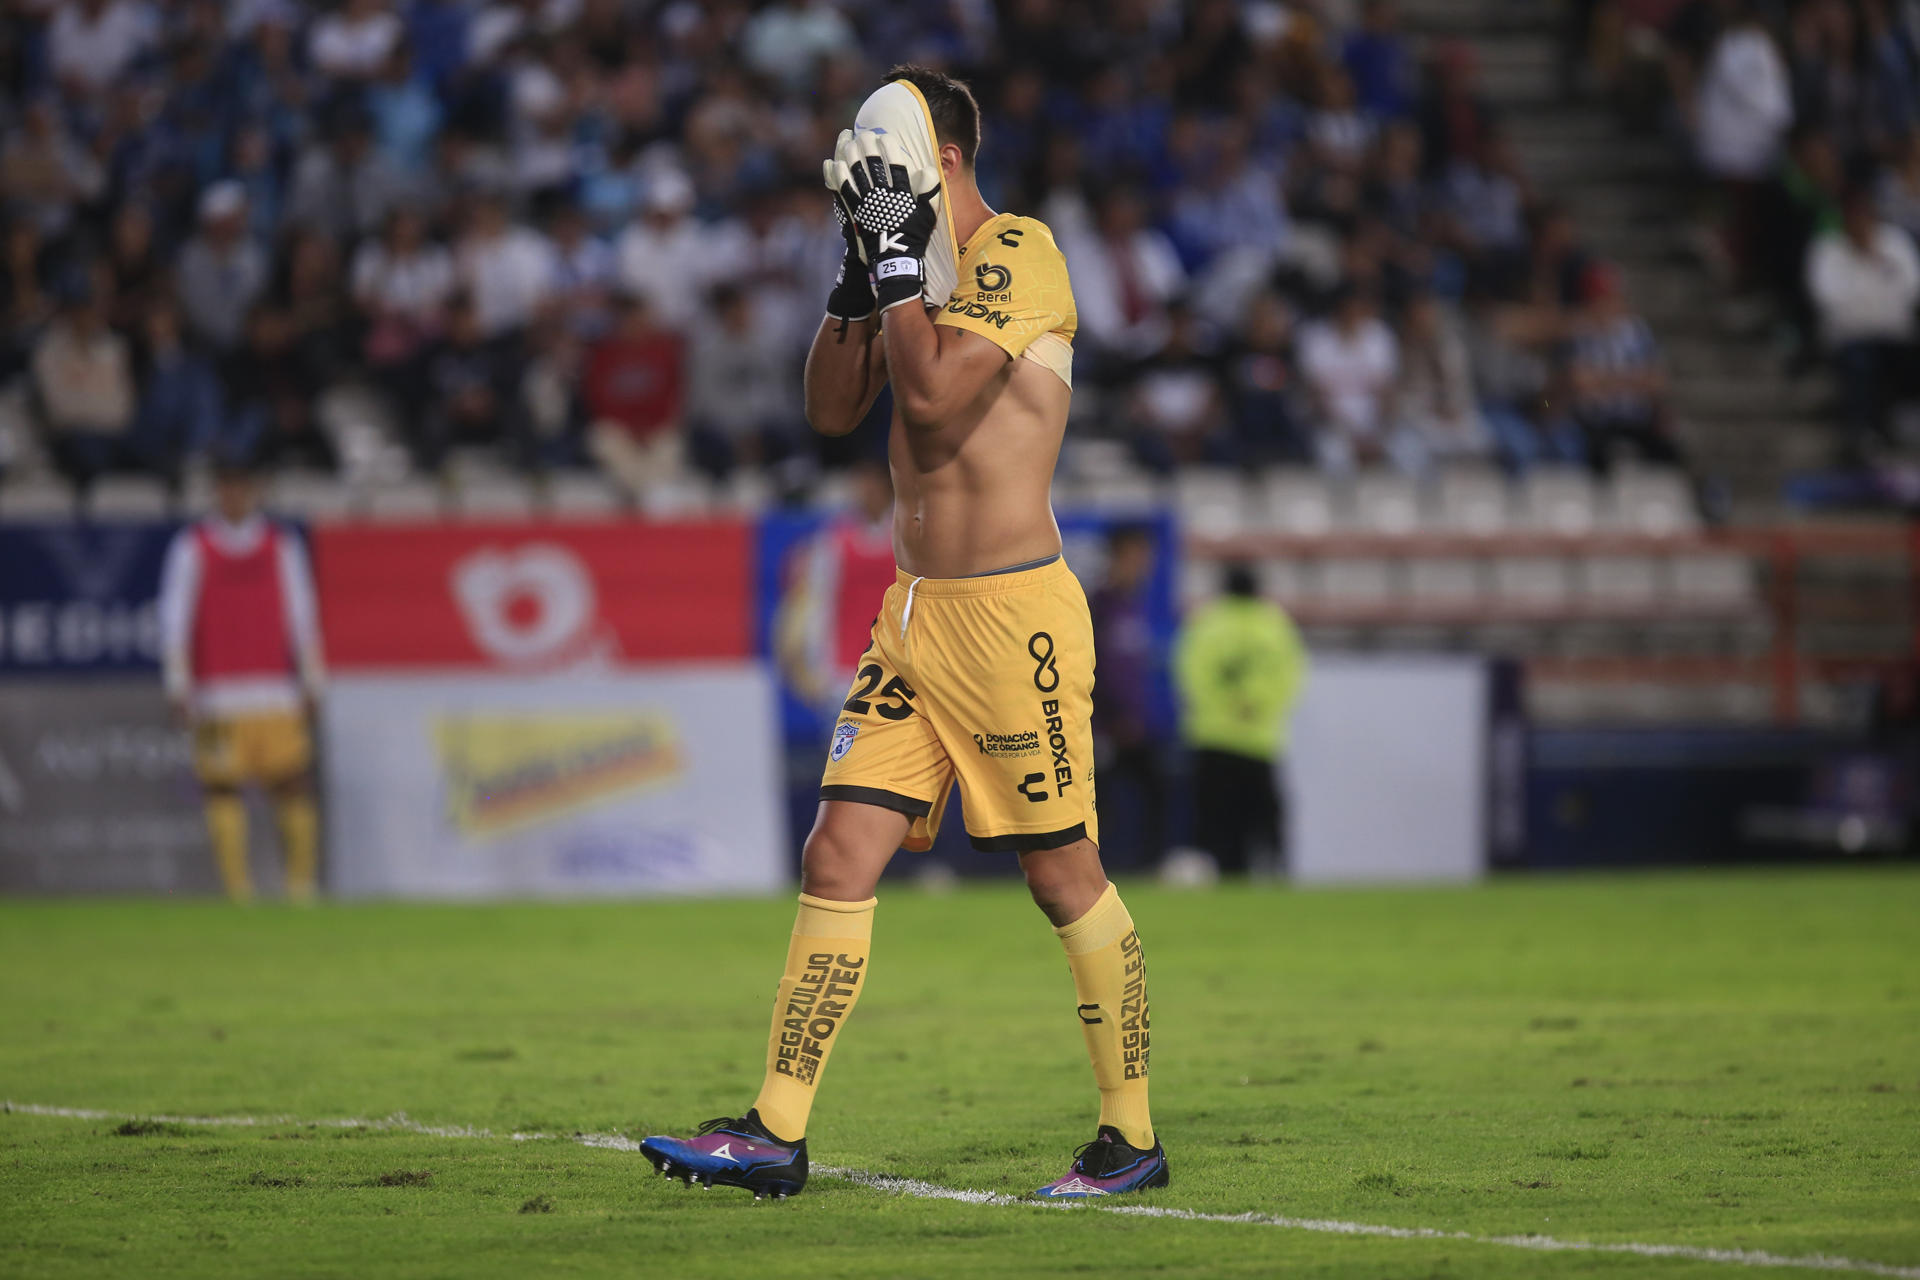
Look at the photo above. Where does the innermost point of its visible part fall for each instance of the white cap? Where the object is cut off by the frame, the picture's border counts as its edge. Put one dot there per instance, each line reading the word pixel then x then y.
pixel 222 200
pixel 668 191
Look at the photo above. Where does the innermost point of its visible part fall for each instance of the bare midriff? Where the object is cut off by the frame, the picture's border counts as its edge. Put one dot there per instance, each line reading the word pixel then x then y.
pixel 974 494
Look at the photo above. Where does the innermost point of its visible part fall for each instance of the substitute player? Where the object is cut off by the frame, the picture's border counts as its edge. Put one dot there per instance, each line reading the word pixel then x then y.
pixel 980 668
pixel 240 654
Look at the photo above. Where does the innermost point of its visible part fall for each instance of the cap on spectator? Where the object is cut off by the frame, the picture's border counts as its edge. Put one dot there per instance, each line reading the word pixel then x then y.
pixel 669 191
pixel 222 200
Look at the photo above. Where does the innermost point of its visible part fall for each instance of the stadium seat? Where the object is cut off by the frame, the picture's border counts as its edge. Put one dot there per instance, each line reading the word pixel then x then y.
pixel 1287 581
pixel 682 497
pixel 1532 583
pixel 1448 582
pixel 1294 502
pixel 1132 492
pixel 1654 502
pixel 1211 501
pixel 747 493
pixel 1349 581
pixel 1615 582
pixel 1558 500
pixel 129 498
pixel 1471 501
pixel 404 500
pixel 39 498
pixel 1384 503
pixel 582 495
pixel 1723 579
pixel 309 495
pixel 494 498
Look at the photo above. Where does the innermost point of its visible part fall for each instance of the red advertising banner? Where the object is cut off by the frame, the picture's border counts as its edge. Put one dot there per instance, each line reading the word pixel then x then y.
pixel 529 595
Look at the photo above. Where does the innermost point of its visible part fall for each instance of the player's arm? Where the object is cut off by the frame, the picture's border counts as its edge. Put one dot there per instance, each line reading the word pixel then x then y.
pixel 936 369
pixel 846 367
pixel 847 364
pixel 302 618
pixel 179 594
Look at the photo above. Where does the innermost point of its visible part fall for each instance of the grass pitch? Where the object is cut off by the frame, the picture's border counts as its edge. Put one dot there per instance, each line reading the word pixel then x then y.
pixel 1726 1061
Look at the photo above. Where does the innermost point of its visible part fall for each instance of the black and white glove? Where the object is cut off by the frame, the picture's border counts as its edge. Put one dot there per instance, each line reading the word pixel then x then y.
pixel 892 209
pixel 852 296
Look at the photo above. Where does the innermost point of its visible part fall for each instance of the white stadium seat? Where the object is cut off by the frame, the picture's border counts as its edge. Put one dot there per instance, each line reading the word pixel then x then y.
pixel 1472 501
pixel 1211 502
pixel 494 498
pixel 1386 504
pixel 404 500
pixel 1295 502
pixel 39 498
pixel 582 495
pixel 129 498
pixel 1655 502
pixel 1559 500
pixel 309 495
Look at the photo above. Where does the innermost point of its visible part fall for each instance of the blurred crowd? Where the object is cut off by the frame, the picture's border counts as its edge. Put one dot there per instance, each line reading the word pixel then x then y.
pixel 591 232
pixel 1804 123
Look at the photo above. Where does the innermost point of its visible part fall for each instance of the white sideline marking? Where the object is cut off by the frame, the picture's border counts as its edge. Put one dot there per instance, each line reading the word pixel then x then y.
pixel 399 1121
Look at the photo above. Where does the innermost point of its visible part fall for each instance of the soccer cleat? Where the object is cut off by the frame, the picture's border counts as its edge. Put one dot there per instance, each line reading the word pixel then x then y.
pixel 732 1153
pixel 1107 1166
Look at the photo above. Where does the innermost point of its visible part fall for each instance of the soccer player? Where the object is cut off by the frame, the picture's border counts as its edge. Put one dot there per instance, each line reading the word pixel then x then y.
pixel 980 668
pixel 240 655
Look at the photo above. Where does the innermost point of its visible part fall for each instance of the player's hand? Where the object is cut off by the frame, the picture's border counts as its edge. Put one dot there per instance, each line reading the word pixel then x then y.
pixel 892 209
pixel 852 296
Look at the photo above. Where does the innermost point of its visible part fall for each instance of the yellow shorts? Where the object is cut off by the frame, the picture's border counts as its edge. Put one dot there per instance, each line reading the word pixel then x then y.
pixel 267 748
pixel 987 681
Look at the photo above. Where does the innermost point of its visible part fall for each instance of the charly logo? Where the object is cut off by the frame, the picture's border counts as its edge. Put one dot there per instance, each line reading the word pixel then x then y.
pixel 528 606
pixel 1046 676
pixel 842 739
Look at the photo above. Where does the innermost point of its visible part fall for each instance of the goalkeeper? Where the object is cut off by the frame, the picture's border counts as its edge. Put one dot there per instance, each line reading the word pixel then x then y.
pixel 980 668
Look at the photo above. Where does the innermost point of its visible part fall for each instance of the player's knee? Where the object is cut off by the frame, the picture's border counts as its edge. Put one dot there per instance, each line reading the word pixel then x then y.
pixel 831 867
pixel 1064 889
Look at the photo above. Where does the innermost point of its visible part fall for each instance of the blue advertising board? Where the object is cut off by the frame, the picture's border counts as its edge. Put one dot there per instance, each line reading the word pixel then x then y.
pixel 79 597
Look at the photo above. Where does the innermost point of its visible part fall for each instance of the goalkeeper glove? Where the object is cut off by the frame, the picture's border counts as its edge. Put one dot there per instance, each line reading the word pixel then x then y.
pixel 852 296
pixel 892 209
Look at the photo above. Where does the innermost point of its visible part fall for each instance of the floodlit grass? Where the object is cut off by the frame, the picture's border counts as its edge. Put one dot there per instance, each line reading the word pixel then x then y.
pixel 1727 1061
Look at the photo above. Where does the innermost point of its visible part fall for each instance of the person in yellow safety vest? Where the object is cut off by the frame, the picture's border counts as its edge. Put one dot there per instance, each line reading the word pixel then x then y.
pixel 1238 664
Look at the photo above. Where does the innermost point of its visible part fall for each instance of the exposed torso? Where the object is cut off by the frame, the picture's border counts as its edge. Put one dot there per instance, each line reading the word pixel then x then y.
pixel 974 494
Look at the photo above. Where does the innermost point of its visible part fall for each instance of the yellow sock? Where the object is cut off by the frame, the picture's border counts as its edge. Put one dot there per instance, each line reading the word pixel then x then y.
pixel 227 831
pixel 1110 977
pixel 299 843
pixel 826 970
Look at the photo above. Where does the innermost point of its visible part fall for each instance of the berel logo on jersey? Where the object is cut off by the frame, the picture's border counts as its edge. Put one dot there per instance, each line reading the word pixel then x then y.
pixel 842 740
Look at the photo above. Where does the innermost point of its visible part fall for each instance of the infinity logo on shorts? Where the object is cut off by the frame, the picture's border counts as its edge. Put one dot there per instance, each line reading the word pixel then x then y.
pixel 1040 648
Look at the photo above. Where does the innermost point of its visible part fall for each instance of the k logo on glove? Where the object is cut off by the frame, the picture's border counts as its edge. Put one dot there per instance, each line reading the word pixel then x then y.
pixel 893 209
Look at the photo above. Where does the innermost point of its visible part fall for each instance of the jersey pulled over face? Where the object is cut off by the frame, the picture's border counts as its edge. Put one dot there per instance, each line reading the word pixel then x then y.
pixel 1013 291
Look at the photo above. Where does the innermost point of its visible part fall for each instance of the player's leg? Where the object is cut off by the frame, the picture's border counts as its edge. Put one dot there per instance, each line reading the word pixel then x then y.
pixel 1016 712
pixel 226 812
pixel 1110 986
pixel 216 762
pixel 826 970
pixel 283 752
pixel 765 1150
pixel 885 781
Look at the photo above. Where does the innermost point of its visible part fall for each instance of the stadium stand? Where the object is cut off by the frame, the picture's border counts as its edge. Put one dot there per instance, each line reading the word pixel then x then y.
pixel 1359 282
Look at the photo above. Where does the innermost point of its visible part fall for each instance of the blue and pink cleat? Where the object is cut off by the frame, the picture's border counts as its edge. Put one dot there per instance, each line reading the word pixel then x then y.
pixel 732 1153
pixel 1107 1166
